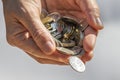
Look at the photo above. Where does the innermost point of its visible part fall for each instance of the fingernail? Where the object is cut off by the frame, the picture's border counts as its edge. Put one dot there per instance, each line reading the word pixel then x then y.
pixel 98 23
pixel 48 47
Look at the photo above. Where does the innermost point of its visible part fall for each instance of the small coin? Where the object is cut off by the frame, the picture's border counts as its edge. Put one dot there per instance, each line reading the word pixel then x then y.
pixel 77 64
pixel 77 50
pixel 65 51
pixel 55 15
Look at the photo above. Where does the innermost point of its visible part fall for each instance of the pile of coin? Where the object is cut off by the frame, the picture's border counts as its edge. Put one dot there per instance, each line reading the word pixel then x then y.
pixel 68 35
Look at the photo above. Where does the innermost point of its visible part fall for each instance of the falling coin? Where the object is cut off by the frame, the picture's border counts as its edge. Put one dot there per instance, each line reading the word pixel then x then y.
pixel 77 64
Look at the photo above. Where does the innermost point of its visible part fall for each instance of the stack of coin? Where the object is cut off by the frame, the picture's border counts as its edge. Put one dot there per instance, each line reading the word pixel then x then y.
pixel 68 35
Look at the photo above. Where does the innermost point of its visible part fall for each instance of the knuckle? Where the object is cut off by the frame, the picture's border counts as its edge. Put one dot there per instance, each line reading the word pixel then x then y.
pixel 89 56
pixel 94 11
pixel 27 12
pixel 10 40
pixel 89 42
pixel 30 11
pixel 40 35
pixel 16 40
pixel 88 48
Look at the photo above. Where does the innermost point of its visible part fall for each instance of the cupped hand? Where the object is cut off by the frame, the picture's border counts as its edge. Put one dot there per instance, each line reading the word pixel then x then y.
pixel 26 31
pixel 79 10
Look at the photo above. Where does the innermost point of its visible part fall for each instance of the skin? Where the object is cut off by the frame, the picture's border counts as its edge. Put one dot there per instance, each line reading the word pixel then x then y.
pixel 26 31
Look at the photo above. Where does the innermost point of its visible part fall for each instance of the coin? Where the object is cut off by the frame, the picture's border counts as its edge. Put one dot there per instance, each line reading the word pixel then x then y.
pixel 68 35
pixel 77 64
pixel 65 51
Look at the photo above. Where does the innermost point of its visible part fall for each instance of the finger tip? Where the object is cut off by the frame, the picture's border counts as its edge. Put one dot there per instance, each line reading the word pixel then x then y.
pixel 49 52
pixel 89 42
pixel 87 56
pixel 97 26
pixel 48 48
pixel 95 22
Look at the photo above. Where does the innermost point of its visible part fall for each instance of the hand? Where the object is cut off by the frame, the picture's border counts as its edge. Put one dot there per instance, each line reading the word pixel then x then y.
pixel 26 31
pixel 79 9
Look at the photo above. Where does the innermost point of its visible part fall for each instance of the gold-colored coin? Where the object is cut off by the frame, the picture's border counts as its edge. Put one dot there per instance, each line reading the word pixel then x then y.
pixel 47 20
pixel 65 51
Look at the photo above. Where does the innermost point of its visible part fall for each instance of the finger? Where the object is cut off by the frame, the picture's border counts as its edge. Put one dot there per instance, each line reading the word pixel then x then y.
pixel 47 61
pixel 76 15
pixel 89 39
pixel 90 8
pixel 31 20
pixel 87 57
pixel 27 44
pixel 22 39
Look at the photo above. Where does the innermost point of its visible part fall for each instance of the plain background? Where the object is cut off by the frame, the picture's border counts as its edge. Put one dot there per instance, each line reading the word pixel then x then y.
pixel 17 65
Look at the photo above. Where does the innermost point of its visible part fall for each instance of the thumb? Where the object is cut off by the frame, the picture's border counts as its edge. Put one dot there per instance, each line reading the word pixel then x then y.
pixel 39 33
pixel 91 10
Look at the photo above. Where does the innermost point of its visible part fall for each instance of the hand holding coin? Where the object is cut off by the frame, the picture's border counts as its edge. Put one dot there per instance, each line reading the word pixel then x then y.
pixel 68 35
pixel 78 9
pixel 25 30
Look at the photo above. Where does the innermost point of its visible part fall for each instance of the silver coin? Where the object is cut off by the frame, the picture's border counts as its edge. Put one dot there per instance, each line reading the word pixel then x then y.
pixel 65 51
pixel 77 64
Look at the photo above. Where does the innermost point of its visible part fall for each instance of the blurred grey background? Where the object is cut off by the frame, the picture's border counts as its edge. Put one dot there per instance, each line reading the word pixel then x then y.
pixel 16 65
